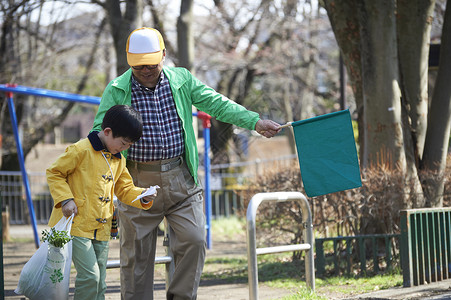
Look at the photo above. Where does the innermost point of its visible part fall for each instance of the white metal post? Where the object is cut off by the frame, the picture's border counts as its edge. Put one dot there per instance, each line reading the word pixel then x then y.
pixel 252 250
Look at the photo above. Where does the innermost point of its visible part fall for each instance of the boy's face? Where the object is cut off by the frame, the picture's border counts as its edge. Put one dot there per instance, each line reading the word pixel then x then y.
pixel 115 145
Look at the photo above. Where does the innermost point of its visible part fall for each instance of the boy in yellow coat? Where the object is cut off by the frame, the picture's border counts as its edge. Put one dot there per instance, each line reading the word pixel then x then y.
pixel 83 181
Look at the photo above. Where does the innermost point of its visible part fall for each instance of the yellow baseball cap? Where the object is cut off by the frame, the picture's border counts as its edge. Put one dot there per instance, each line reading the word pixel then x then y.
pixel 145 47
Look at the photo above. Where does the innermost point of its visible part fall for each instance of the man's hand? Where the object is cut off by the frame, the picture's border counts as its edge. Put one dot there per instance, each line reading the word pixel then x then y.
pixel 267 128
pixel 70 208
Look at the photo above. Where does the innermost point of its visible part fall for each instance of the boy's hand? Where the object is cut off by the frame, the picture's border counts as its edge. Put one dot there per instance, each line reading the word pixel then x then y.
pixel 70 208
pixel 149 198
pixel 150 193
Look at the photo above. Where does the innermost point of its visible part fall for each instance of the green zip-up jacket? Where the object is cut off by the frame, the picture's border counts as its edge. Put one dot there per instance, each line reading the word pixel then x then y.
pixel 187 91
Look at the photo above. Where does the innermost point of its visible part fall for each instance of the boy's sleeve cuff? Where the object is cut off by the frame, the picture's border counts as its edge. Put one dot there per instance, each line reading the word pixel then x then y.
pixel 145 204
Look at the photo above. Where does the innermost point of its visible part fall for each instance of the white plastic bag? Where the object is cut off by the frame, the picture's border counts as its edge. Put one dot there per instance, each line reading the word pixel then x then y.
pixel 46 275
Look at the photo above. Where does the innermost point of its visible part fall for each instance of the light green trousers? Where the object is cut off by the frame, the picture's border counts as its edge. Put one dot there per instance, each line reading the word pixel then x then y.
pixel 90 258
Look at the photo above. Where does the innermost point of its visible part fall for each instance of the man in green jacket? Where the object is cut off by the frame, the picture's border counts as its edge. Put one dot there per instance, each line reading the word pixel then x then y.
pixel 166 155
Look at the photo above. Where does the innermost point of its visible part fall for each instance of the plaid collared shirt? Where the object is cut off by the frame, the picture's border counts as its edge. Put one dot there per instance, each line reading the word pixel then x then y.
pixel 162 130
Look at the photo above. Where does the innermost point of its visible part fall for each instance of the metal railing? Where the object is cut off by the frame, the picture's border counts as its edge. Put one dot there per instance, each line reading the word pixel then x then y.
pixel 14 197
pixel 425 245
pixel 357 243
pixel 251 169
pixel 226 203
pixel 253 251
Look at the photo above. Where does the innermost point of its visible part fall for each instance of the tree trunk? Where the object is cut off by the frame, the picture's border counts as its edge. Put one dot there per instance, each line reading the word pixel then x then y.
pixel 307 95
pixel 438 130
pixel 384 145
pixel 310 59
pixel 185 37
pixel 121 25
pixel 289 116
pixel 414 31
pixel 343 16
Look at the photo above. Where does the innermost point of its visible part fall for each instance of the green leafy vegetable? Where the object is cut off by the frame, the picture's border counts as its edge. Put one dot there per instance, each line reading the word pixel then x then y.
pixel 57 238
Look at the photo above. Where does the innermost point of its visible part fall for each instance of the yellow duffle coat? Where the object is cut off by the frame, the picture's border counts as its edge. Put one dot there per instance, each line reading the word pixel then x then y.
pixel 91 178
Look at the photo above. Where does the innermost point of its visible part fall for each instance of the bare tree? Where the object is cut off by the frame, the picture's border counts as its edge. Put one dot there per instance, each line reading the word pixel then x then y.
pixel 122 22
pixel 264 56
pixel 252 50
pixel 33 56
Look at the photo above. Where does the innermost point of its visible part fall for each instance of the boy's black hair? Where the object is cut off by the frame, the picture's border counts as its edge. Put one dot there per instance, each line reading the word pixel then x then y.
pixel 124 122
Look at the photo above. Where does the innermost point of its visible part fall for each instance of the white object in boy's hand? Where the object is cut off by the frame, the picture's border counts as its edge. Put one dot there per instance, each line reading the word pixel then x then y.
pixel 150 191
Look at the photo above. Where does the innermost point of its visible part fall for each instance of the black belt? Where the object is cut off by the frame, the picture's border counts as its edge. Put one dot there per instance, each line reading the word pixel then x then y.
pixel 157 167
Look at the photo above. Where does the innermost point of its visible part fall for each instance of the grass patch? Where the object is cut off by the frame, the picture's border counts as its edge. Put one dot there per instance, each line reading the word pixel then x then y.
pixel 279 271
pixel 360 285
pixel 228 228
pixel 20 240
pixel 304 294
pixel 228 270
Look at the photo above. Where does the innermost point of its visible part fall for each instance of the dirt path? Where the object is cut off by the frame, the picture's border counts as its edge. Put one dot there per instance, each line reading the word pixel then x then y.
pixel 17 253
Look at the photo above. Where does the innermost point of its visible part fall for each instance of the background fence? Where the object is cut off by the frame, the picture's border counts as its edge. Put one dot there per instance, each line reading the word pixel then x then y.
pixel 345 249
pixel 425 245
pixel 227 181
pixel 13 197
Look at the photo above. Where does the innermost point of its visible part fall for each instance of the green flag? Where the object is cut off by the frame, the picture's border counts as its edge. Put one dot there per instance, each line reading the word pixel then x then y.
pixel 327 153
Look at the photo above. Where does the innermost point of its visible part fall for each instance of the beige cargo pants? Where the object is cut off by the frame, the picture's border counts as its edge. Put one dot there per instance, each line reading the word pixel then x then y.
pixel 181 202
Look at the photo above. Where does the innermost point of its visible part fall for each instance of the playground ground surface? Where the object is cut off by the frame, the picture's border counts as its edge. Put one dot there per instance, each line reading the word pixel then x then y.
pixel 22 247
